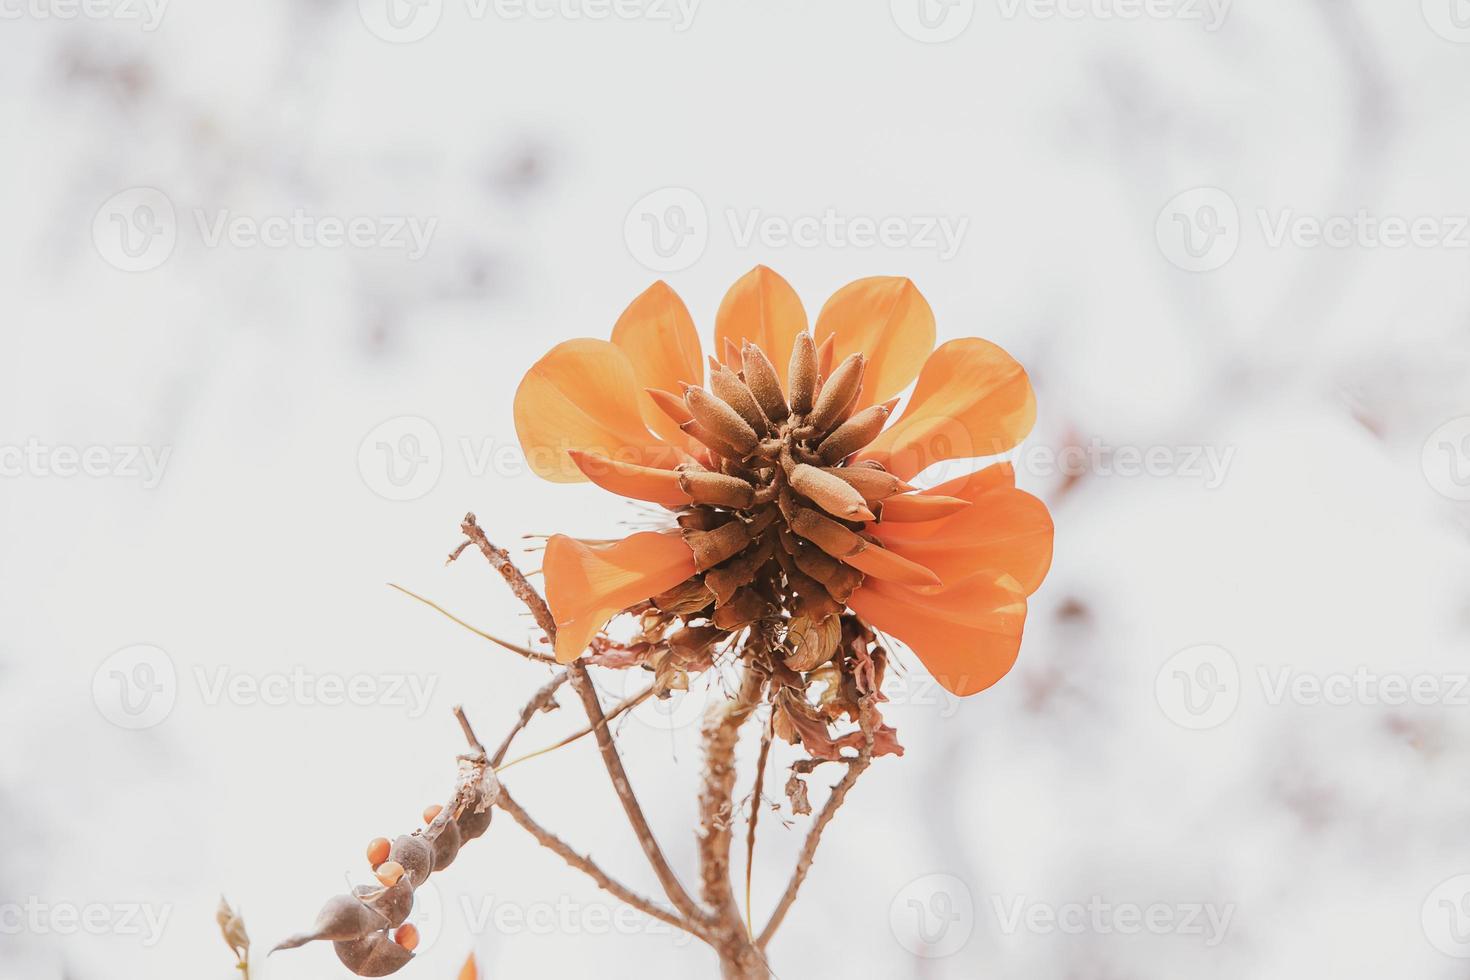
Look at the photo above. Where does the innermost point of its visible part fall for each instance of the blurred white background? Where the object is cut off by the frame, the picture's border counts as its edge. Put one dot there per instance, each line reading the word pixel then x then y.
pixel 1229 241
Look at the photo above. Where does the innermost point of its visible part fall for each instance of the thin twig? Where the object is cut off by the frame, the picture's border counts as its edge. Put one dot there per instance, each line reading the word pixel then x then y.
pixel 526 652
pixel 755 812
pixel 586 865
pixel 626 704
pixel 539 701
pixel 721 733
pixel 814 836
pixel 499 559
pixel 469 732
pixel 582 684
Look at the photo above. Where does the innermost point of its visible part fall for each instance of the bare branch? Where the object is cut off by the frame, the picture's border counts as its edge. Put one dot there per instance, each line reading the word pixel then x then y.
pixel 839 792
pixel 755 812
pixel 721 733
pixel 538 702
pixel 499 559
pixel 587 866
pixel 582 684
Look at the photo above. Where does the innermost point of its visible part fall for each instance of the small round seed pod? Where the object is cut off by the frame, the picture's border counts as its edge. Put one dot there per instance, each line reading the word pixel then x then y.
pixel 416 857
pixel 446 846
pixel 473 823
pixel 407 937
pixel 373 956
pixel 389 873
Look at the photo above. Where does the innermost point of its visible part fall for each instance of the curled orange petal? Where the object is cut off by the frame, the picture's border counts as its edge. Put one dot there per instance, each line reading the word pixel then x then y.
pixel 658 335
pixel 583 395
pixel 967 634
pixel 470 970
pixel 972 399
pixel 1004 528
pixel 762 308
pixel 880 562
pixel 587 585
pixel 911 508
pixel 649 483
pixel 887 319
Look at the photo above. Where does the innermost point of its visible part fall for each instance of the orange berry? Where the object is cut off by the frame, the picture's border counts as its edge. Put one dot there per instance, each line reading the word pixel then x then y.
pixel 407 936
pixel 378 851
pixel 389 873
pixel 430 812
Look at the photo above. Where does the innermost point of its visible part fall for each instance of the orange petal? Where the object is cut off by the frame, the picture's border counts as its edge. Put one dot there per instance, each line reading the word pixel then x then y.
pixel 1004 528
pixel 587 585
pixel 887 319
pixel 967 634
pixel 658 335
pixel 762 308
pixel 882 563
pixel 470 971
pixel 583 395
pixel 630 480
pixel 918 507
pixel 972 399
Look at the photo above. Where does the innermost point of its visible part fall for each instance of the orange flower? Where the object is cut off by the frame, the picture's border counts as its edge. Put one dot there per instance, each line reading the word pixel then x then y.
pixel 787 479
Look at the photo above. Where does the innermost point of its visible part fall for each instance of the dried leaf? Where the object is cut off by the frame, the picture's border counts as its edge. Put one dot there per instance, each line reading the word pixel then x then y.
pixel 796 793
pixel 232 927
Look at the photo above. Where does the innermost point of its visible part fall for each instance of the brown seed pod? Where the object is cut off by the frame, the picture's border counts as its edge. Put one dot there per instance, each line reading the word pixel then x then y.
pixel 373 956
pixel 393 904
pixel 737 572
pixel 728 387
pixel 854 434
pixel 801 378
pixel 416 857
pixel 714 443
pixel 833 494
pixel 472 822
pixel 721 420
pixel 446 845
pixel 763 382
pixel 343 917
pixel 838 393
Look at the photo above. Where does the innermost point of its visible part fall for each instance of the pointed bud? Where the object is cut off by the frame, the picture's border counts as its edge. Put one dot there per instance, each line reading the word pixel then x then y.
pixel 763 382
pixel 838 579
pixel 837 393
pixel 833 494
pixel 715 489
pixel 825 353
pixel 873 483
pixel 801 378
pixel 736 573
pixel 825 533
pixel 716 445
pixel 854 434
pixel 726 384
pixel 670 404
pixel 720 419
pixel 712 547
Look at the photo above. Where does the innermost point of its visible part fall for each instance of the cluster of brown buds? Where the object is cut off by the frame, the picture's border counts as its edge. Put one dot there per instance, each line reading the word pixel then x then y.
pixel 369 928
pixel 777 521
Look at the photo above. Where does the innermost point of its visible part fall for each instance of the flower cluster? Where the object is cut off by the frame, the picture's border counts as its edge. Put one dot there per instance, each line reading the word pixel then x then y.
pixel 792 526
